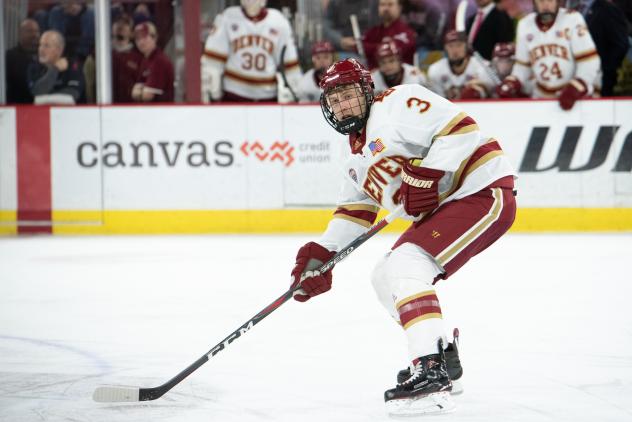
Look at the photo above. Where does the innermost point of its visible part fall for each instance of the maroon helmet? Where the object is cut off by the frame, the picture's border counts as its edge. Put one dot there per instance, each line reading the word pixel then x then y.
pixel 387 49
pixel 346 72
pixel 322 47
pixel 504 50
pixel 454 35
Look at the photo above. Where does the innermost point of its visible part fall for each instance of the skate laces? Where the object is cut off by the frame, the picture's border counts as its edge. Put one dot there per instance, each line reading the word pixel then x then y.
pixel 416 370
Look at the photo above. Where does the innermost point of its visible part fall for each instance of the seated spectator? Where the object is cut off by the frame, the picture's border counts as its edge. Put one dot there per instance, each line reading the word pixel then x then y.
pixel 427 20
pixel 503 59
pixel 391 28
pixel 155 77
pixel 608 29
pixel 487 27
pixel 337 26
pixel 458 76
pixel 392 71
pixel 322 57
pixel 55 79
pixel 75 21
pixel 125 60
pixel 18 60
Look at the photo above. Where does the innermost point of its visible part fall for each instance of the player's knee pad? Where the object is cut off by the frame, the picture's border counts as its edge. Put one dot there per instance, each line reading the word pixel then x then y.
pixel 403 272
pixel 379 281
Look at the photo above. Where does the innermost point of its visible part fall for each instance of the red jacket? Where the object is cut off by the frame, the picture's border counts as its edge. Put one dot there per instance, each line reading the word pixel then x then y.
pixel 403 35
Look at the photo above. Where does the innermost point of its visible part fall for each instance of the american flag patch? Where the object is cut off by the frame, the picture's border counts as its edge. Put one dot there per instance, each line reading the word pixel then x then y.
pixel 376 146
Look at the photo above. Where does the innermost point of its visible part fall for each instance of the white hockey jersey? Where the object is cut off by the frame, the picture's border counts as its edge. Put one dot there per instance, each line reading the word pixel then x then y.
pixel 247 53
pixel 411 121
pixel 449 85
pixel 412 75
pixel 555 56
pixel 308 89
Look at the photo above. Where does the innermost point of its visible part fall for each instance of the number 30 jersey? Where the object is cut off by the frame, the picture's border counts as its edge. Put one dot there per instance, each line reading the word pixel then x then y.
pixel 411 121
pixel 247 51
pixel 556 55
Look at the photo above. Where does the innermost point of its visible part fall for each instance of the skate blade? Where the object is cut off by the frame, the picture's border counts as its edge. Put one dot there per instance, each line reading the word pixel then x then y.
pixel 457 388
pixel 435 403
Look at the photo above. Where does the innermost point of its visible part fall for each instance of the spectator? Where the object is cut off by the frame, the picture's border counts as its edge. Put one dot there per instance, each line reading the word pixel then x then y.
pixel 427 19
pixel 503 59
pixel 322 57
pixel 55 79
pixel 337 26
pixel 18 60
pixel 243 52
pixel 392 71
pixel 488 27
pixel 608 29
pixel 155 76
pixel 457 76
pixel 125 60
pixel 563 67
pixel 75 21
pixel 392 28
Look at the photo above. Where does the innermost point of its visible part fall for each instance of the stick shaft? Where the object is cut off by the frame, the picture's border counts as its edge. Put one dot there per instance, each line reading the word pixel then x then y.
pixel 153 393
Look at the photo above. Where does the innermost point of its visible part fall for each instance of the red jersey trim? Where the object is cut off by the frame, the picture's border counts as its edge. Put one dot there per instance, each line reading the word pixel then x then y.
pixel 586 56
pixel 364 215
pixel 248 79
pixel 481 156
pixel 215 56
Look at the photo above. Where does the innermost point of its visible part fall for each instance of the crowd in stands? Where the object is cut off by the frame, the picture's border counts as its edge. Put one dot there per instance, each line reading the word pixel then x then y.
pixel 54 61
pixel 251 54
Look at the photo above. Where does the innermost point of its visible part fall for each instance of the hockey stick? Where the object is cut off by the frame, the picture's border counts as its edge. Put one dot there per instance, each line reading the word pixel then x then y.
pixel 134 394
pixel 281 70
pixel 355 28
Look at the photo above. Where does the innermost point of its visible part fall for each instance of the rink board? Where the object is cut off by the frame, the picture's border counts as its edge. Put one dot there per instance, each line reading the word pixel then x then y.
pixel 270 168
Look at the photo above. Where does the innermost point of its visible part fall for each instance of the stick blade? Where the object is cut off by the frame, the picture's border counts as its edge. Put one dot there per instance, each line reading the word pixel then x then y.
pixel 107 394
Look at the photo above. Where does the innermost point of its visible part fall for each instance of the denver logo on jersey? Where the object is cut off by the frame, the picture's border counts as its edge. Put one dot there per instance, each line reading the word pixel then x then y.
pixel 376 146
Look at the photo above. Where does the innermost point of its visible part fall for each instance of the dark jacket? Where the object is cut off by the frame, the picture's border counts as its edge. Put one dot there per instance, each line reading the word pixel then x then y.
pixel 607 27
pixel 497 27
pixel 17 64
pixel 47 79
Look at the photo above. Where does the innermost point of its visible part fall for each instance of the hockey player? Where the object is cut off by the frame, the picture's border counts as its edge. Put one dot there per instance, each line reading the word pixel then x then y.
pixel 392 71
pixel 322 58
pixel 409 145
pixel 503 58
pixel 242 53
pixel 555 47
pixel 458 76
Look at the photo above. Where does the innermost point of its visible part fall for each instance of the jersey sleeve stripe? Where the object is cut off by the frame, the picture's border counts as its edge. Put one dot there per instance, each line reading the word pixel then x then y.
pixel 527 64
pixel 364 215
pixel 466 125
pixel 480 157
pixel 455 121
pixel 248 79
pixel 215 56
pixel 290 65
pixel 586 56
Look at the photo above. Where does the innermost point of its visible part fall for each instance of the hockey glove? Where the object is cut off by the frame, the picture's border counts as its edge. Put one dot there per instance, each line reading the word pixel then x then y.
pixel 510 88
pixel 420 188
pixel 573 91
pixel 308 259
pixel 473 92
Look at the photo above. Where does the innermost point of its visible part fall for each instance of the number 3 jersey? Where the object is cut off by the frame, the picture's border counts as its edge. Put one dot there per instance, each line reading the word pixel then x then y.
pixel 556 55
pixel 411 121
pixel 248 50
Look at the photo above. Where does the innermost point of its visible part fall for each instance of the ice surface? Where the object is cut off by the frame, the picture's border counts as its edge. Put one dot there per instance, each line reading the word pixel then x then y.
pixel 545 320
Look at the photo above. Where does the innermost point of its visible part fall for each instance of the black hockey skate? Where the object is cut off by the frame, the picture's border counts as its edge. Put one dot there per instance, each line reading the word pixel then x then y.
pixel 453 364
pixel 427 390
